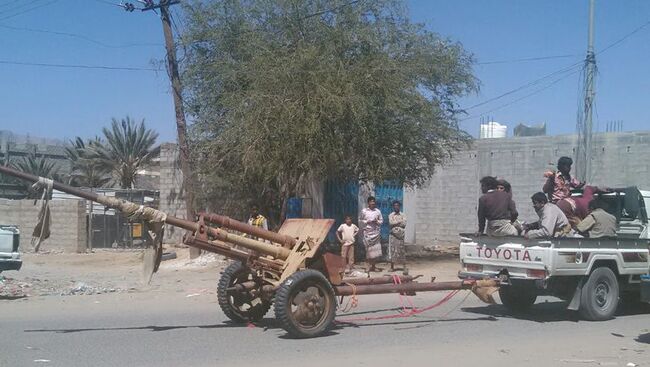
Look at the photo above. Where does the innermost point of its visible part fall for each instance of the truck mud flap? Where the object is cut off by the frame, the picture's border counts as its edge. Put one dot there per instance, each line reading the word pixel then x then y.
pixel 574 305
pixel 645 288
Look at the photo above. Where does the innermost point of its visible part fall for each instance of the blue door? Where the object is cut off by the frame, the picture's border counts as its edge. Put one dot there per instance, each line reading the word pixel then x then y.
pixel 385 194
pixel 341 199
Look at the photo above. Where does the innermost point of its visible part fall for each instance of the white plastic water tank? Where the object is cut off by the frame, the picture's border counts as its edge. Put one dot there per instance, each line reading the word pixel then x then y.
pixel 493 130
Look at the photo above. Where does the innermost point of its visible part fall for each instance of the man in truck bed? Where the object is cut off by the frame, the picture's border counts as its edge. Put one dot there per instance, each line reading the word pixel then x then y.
pixel 497 208
pixel 599 223
pixel 552 221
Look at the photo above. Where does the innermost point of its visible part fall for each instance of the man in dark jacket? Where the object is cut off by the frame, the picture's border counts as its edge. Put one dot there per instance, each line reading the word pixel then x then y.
pixel 497 208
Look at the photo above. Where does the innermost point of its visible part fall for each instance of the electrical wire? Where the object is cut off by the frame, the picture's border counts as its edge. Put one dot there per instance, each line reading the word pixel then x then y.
pixel 17 7
pixel 77 66
pixel 525 59
pixel 628 35
pixel 534 82
pixel 527 85
pixel 29 10
pixel 335 9
pixel 108 3
pixel 79 36
pixel 537 91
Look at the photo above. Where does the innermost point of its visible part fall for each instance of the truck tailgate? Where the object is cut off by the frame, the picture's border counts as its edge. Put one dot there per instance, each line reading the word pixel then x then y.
pixel 518 260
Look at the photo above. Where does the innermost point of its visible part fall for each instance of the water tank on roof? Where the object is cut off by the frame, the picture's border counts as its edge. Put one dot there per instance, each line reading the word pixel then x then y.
pixel 493 130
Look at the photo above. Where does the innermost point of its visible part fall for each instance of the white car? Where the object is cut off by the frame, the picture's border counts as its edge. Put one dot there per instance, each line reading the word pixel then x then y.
pixel 590 273
pixel 9 243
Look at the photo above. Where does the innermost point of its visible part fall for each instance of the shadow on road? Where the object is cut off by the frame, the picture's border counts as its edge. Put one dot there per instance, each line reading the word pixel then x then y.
pixel 643 338
pixel 271 324
pixel 150 328
pixel 553 311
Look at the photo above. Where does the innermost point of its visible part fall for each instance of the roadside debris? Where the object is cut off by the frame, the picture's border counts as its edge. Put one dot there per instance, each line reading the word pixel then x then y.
pixel 14 289
pixel 10 289
pixel 206 258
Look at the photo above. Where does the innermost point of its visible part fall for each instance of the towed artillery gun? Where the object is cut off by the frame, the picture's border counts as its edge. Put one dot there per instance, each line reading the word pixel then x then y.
pixel 288 270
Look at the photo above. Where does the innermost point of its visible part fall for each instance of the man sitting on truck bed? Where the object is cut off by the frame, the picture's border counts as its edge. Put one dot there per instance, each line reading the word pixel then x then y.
pixel 552 222
pixel 497 208
pixel 599 223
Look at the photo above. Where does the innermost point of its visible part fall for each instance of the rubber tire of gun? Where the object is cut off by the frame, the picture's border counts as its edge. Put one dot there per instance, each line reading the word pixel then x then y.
pixel 517 298
pixel 589 309
pixel 284 297
pixel 230 273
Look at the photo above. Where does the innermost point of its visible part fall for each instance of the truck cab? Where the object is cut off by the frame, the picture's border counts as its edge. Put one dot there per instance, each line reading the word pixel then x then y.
pixel 9 244
pixel 590 273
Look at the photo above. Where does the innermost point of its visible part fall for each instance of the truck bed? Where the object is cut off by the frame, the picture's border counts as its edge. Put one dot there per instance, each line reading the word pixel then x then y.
pixel 484 256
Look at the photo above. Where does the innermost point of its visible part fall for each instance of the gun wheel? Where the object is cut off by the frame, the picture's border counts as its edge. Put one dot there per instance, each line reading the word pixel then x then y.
pixel 241 306
pixel 305 304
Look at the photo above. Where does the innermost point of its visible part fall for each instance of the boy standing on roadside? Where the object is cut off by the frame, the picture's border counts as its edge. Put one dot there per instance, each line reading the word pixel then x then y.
pixel 346 234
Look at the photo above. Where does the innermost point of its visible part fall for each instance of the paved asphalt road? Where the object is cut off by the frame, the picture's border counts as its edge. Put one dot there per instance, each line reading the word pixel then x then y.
pixel 163 329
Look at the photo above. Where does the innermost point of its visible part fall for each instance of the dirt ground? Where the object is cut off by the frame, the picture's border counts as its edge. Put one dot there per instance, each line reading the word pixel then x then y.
pixel 117 271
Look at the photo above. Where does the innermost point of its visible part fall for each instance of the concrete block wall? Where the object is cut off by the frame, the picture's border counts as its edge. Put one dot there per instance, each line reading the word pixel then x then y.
pixel 447 205
pixel 172 199
pixel 68 230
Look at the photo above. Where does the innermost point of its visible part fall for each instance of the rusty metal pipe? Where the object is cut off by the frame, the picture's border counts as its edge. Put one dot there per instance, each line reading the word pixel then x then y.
pixel 346 290
pixel 259 246
pixel 227 250
pixel 218 247
pixel 230 223
pixel 249 286
pixel 377 280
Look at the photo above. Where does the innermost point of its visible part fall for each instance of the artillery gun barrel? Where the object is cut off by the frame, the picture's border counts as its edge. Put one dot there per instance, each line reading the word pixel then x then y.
pixel 228 222
pixel 277 252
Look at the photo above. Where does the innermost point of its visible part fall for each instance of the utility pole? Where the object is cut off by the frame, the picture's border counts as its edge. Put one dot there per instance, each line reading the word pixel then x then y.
pixel 583 169
pixel 177 93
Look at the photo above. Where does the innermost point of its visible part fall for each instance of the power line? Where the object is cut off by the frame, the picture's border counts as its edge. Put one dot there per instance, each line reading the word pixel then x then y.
pixel 79 36
pixel 76 66
pixel 524 86
pixel 335 9
pixel 28 10
pixel 620 40
pixel 172 17
pixel 526 59
pixel 9 3
pixel 17 7
pixel 534 82
pixel 537 91
pixel 108 3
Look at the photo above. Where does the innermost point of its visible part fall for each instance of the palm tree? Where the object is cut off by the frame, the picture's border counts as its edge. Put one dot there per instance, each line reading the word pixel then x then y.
pixel 87 171
pixel 128 148
pixel 37 166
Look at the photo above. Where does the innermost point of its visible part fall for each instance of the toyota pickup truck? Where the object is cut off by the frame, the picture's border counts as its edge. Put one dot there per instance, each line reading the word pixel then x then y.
pixel 9 243
pixel 592 274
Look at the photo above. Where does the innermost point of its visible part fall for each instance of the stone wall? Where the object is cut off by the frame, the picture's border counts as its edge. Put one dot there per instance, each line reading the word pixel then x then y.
pixel 447 205
pixel 172 199
pixel 68 230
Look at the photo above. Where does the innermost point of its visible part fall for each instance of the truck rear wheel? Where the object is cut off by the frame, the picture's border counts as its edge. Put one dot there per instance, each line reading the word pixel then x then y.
pixel 517 298
pixel 599 297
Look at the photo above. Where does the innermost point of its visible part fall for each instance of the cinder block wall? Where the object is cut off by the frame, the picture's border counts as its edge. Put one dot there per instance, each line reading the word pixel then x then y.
pixel 172 199
pixel 447 205
pixel 68 230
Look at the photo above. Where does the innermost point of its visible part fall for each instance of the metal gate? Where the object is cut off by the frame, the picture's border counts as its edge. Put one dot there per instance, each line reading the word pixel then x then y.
pixel 110 228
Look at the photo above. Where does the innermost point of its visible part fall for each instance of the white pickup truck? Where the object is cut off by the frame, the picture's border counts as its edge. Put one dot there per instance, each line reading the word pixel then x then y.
pixel 9 242
pixel 592 274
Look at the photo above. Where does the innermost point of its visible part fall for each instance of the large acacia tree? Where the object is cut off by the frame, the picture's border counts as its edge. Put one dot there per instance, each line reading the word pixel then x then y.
pixel 285 91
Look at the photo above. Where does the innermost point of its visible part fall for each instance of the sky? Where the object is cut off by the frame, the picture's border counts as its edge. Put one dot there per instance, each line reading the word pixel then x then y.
pixel 63 103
